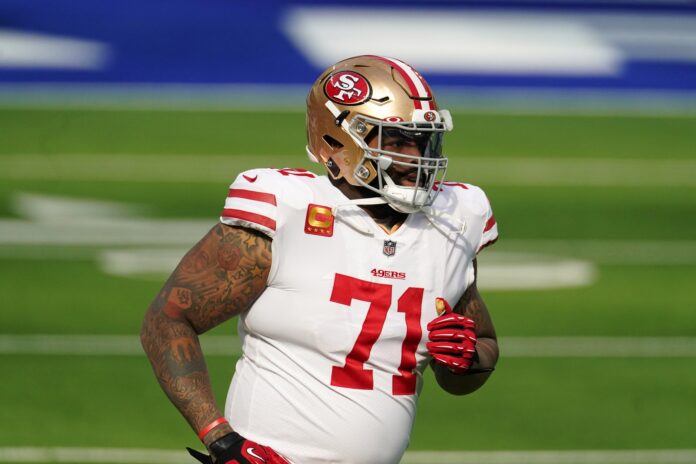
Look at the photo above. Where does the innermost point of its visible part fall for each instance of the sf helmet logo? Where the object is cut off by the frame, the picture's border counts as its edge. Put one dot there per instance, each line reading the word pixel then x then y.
pixel 347 88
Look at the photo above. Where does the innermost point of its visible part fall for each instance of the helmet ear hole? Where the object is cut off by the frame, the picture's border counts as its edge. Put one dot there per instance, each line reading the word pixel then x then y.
pixel 333 169
pixel 332 142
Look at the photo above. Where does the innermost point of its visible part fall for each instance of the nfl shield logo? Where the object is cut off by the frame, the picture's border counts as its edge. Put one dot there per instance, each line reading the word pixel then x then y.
pixel 389 248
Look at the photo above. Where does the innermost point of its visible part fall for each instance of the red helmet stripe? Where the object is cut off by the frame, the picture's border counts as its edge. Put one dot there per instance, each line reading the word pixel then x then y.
pixel 415 82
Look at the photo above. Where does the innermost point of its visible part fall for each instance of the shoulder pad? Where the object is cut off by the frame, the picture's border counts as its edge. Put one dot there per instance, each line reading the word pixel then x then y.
pixel 470 204
pixel 254 197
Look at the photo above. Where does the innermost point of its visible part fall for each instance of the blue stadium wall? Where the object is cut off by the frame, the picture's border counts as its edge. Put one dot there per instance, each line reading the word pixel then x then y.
pixel 641 47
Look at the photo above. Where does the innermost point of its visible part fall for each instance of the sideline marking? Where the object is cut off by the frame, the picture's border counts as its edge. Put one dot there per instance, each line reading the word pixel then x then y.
pixel 506 171
pixel 161 456
pixel 622 252
pixel 19 240
pixel 506 272
pixel 226 345
pixel 94 222
pixel 88 222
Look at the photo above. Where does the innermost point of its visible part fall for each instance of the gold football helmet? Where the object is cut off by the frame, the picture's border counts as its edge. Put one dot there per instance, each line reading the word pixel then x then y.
pixel 361 111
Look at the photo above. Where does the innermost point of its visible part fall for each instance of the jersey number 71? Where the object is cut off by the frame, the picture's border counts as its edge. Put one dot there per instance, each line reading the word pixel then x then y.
pixel 353 373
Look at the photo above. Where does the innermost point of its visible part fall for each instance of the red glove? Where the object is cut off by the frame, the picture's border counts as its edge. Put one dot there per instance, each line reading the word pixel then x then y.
pixel 452 338
pixel 235 449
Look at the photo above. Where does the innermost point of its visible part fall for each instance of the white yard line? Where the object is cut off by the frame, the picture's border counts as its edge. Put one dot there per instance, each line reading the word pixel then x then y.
pixel 78 222
pixel 96 455
pixel 24 240
pixel 157 456
pixel 220 345
pixel 621 252
pixel 513 171
pixel 598 347
pixel 538 272
pixel 101 345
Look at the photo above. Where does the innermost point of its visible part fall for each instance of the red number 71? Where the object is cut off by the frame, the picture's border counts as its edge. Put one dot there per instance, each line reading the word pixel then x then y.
pixel 353 373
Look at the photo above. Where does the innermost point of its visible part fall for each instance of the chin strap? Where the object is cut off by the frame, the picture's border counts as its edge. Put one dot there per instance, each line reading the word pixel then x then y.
pixel 433 215
pixel 398 192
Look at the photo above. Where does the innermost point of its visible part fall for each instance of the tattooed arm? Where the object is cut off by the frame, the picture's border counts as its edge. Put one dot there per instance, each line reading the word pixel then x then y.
pixel 472 306
pixel 220 277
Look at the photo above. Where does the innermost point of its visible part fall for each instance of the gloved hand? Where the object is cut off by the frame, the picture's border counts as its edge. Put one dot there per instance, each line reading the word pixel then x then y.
pixel 235 449
pixel 452 338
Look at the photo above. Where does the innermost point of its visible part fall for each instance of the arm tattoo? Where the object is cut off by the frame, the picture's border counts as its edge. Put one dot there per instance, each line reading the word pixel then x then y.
pixel 472 306
pixel 220 277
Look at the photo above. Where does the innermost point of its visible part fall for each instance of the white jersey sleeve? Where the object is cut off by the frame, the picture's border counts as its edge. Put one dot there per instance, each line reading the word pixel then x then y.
pixel 490 226
pixel 252 201
pixel 467 204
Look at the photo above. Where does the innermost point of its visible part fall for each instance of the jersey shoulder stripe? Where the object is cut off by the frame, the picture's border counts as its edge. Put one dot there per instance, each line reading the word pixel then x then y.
pixel 490 224
pixel 231 216
pixel 253 195
pixel 252 202
pixel 261 199
pixel 490 230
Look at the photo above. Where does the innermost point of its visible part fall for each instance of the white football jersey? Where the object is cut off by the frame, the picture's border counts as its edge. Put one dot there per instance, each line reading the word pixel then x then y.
pixel 334 349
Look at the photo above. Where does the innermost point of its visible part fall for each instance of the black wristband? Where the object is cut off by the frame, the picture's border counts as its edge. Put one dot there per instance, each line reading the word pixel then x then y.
pixel 223 444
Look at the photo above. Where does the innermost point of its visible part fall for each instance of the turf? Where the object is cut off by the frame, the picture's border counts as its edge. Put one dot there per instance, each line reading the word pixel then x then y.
pixel 528 404
pixel 578 403
pixel 221 132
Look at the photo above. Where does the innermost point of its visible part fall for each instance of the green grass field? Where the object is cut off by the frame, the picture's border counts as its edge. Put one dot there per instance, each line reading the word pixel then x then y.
pixel 615 196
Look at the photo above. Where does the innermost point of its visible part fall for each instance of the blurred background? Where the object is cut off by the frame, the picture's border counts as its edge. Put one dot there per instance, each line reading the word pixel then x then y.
pixel 122 124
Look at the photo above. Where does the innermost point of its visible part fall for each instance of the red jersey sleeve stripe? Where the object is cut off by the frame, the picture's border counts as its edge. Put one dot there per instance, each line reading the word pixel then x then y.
pixel 489 224
pixel 491 242
pixel 250 217
pixel 253 195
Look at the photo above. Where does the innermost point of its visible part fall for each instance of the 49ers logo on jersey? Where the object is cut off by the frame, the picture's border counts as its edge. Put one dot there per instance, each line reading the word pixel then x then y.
pixel 347 88
pixel 388 274
pixel 319 221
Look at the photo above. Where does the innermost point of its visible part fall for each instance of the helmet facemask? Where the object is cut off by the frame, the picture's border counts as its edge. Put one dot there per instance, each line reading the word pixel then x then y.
pixel 373 101
pixel 406 156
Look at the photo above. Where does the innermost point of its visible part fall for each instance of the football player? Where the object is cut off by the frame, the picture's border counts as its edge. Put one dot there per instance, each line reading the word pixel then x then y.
pixel 342 283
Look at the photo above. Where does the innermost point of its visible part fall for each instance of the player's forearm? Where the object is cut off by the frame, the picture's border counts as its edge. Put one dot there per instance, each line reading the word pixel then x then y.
pixel 174 351
pixel 487 353
pixel 476 376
